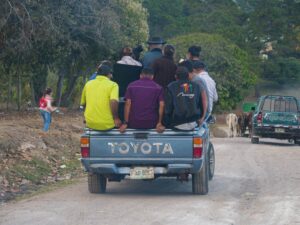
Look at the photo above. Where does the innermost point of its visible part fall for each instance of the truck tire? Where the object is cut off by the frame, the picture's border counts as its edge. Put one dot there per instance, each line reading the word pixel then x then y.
pixel 254 140
pixel 200 180
pixel 211 160
pixel 97 183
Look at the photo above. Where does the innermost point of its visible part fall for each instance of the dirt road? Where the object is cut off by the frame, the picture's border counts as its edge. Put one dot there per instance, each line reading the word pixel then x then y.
pixel 253 184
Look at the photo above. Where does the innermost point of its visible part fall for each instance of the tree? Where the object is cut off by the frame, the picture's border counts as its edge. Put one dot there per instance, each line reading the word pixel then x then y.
pixel 228 65
pixel 66 37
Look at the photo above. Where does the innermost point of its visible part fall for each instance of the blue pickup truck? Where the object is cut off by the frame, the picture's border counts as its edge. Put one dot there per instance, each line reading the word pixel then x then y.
pixel 146 154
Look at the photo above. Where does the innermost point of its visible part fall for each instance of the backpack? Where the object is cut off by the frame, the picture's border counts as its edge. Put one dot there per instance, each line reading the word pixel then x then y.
pixel 43 103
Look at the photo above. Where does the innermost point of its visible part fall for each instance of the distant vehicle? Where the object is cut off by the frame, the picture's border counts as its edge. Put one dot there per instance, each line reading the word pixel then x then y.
pixel 276 117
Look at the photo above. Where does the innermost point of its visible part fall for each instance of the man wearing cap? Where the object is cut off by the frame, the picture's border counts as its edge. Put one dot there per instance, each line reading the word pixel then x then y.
pixel 144 105
pixel 100 98
pixel 155 51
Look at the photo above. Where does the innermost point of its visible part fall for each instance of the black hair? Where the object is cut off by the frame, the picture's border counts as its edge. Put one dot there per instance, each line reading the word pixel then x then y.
pixel 147 71
pixel 169 51
pixel 195 50
pixel 105 62
pixel 137 51
pixel 188 64
pixel 182 73
pixel 198 65
pixel 104 70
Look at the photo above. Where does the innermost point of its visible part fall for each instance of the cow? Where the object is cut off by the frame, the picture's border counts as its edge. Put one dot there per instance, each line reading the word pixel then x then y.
pixel 240 125
pixel 244 122
pixel 232 122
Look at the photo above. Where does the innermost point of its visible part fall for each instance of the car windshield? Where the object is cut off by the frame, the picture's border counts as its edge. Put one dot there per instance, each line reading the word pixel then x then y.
pixel 279 104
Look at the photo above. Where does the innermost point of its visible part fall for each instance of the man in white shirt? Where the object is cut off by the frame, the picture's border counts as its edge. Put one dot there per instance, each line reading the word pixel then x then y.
pixel 199 70
pixel 127 58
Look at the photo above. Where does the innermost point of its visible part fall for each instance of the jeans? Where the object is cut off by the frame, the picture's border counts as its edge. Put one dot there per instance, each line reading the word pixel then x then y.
pixel 47 119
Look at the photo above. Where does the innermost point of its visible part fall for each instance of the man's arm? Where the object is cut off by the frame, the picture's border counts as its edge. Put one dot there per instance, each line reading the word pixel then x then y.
pixel 126 115
pixel 83 96
pixel 215 97
pixel 204 106
pixel 114 110
pixel 159 127
pixel 168 107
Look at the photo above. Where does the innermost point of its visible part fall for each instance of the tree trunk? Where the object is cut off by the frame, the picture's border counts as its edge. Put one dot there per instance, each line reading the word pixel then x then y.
pixel 71 85
pixel 59 86
pixel 33 102
pixel 9 89
pixel 19 91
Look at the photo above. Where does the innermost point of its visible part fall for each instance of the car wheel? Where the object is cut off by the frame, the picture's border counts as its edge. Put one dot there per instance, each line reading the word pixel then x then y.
pixel 297 141
pixel 97 183
pixel 211 160
pixel 200 180
pixel 254 140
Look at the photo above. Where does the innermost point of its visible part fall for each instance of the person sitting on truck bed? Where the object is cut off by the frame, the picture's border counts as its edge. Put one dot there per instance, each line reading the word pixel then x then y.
pixel 201 82
pixel 104 62
pixel 199 69
pixel 183 103
pixel 144 104
pixel 100 98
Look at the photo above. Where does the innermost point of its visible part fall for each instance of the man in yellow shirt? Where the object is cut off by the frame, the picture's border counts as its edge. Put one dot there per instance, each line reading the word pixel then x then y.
pixel 100 98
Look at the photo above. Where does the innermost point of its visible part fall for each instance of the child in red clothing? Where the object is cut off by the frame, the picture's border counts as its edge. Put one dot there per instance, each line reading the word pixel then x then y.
pixel 46 108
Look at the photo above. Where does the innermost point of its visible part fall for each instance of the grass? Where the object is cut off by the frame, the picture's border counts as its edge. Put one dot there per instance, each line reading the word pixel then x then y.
pixel 34 170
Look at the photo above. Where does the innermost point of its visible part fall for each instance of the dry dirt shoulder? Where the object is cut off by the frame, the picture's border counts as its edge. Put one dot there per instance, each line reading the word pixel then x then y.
pixel 28 159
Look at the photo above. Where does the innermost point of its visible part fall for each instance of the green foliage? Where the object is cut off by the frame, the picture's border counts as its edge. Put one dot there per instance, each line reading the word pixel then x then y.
pixel 282 70
pixel 166 18
pixel 133 22
pixel 171 18
pixel 68 38
pixel 227 64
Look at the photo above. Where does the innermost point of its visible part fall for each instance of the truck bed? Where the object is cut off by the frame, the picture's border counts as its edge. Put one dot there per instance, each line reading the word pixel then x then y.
pixel 170 152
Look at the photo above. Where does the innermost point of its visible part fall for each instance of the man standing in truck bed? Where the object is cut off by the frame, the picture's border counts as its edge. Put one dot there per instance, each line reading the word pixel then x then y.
pixel 100 98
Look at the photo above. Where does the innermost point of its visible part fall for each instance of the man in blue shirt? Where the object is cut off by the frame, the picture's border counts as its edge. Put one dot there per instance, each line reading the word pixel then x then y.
pixel 155 51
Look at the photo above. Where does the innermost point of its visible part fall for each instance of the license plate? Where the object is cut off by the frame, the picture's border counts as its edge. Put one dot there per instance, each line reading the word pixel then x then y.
pixel 142 173
pixel 279 130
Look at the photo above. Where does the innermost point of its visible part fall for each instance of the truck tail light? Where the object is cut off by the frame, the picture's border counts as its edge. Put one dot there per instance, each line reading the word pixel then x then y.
pixel 85 147
pixel 197 147
pixel 259 117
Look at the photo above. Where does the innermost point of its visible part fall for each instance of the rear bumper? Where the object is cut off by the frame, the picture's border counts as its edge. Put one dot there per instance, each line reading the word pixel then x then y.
pixel 268 131
pixel 93 166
